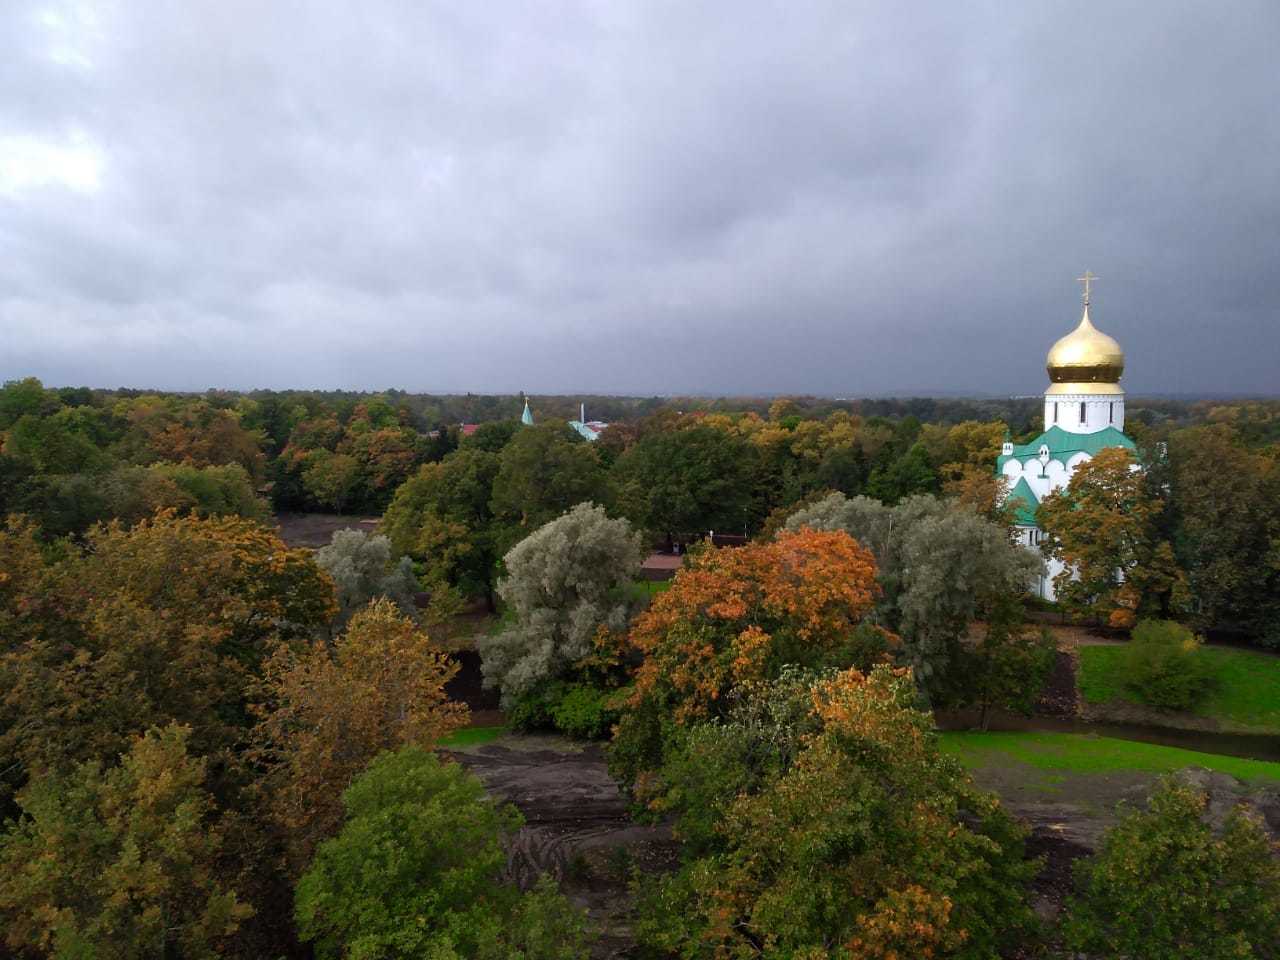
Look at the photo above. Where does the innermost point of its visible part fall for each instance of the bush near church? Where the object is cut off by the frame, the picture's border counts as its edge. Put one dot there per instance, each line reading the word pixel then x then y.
pixel 1163 665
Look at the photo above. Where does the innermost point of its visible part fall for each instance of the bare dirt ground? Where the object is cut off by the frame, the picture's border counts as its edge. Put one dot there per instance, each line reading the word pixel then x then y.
pixel 315 530
pixel 577 827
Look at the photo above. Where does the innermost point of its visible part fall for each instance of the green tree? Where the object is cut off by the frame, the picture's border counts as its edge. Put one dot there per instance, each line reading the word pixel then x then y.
pixel 870 843
pixel 1165 884
pixel 542 472
pixel 441 517
pixel 564 582
pixel 688 481
pixel 492 436
pixel 121 862
pixel 413 873
pixel 27 397
pixel 1226 528
pixel 332 479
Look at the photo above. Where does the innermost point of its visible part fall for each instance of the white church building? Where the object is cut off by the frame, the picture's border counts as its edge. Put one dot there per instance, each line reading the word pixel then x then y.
pixel 1083 413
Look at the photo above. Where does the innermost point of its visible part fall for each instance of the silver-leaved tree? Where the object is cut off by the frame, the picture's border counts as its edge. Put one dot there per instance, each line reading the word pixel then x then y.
pixel 563 582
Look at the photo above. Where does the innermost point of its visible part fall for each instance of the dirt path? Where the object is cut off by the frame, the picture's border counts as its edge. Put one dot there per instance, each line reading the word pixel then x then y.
pixel 577 827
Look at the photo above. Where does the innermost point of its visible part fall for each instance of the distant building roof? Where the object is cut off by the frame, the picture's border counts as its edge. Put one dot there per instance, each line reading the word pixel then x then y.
pixel 469 428
pixel 591 429
pixel 527 417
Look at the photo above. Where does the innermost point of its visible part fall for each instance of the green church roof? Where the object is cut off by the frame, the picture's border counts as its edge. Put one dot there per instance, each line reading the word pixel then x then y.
pixel 1063 445
pixel 527 417
pixel 1025 513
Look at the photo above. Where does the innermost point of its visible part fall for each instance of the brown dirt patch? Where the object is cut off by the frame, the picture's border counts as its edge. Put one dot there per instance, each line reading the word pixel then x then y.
pixel 315 530
pixel 577 827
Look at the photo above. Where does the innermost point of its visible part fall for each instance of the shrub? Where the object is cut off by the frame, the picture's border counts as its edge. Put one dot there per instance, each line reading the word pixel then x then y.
pixel 584 712
pixel 1163 885
pixel 413 873
pixel 1164 667
pixel 575 709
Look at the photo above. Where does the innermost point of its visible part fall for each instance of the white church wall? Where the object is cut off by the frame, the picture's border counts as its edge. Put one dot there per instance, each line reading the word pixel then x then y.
pixel 1084 412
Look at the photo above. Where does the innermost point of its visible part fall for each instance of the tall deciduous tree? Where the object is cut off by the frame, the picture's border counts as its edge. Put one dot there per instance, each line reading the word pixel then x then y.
pixel 543 472
pixel 442 518
pixel 689 481
pixel 739 615
pixel 1164 885
pixel 1227 528
pixel 1102 527
pixel 871 843
pixel 164 622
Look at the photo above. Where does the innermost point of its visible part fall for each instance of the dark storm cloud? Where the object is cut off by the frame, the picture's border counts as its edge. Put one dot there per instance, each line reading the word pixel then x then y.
pixel 799 197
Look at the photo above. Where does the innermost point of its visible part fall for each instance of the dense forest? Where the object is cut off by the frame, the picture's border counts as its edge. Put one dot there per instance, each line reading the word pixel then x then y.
pixel 213 744
pixel 677 467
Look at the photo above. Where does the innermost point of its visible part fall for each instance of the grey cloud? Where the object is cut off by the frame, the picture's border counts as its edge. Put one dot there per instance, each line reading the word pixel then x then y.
pixel 641 197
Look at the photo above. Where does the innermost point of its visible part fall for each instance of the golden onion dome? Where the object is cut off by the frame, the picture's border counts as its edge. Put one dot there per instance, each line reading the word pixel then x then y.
pixel 1086 355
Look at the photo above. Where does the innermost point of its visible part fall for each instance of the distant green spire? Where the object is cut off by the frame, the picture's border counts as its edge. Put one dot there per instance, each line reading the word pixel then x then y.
pixel 527 418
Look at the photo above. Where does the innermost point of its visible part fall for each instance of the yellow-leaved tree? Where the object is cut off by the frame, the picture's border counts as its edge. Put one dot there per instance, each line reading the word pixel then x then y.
pixel 330 709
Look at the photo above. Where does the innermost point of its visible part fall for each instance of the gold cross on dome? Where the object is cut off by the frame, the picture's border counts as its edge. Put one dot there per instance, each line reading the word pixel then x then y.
pixel 1087 280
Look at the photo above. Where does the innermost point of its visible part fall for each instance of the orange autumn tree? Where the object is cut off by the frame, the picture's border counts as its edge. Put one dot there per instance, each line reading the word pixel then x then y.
pixel 329 711
pixel 734 616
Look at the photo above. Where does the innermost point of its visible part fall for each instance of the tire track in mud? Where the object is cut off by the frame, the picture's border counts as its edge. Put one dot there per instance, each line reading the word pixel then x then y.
pixel 577 828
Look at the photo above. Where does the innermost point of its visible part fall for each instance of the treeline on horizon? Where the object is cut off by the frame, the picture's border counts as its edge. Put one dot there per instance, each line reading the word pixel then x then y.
pixel 74 457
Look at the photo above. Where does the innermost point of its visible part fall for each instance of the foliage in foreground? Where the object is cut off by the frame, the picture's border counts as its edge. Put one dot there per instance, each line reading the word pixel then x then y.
pixel 1164 884
pixel 169 621
pixel 413 874
pixel 119 863
pixel 868 844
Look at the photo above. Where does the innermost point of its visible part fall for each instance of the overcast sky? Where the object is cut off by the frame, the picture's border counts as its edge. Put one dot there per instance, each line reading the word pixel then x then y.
pixel 845 198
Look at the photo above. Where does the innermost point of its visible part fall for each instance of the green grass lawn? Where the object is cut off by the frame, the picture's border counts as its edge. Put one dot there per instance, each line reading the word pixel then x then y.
pixel 471 737
pixel 1081 753
pixel 1246 692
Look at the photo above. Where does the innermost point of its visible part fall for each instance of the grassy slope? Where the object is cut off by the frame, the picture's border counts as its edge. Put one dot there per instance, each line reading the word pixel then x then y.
pixel 1247 691
pixel 1080 753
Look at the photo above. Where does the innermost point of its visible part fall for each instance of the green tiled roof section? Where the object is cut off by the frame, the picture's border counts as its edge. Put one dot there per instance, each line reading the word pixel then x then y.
pixel 1063 445
pixel 1060 441
pixel 1025 513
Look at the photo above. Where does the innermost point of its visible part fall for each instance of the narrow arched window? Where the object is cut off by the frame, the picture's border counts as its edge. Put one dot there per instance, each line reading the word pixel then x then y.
pixel 1055 413
pixel 1082 417
pixel 1112 405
